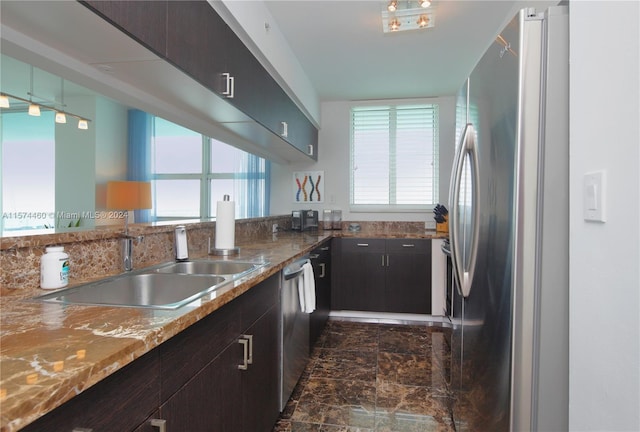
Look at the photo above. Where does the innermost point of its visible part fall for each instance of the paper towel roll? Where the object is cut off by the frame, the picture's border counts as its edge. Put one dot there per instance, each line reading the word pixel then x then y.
pixel 225 225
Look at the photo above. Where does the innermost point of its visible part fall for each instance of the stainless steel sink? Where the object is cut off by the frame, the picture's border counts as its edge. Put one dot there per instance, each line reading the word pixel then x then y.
pixel 233 269
pixel 147 290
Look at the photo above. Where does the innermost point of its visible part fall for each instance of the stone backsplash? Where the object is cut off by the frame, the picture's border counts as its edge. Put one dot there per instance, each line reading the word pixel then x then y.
pixel 96 254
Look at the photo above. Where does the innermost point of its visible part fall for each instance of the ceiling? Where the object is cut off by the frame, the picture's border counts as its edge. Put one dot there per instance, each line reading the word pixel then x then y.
pixel 347 56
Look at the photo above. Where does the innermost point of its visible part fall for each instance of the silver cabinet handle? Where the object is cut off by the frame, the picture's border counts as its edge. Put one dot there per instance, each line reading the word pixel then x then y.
pixel 285 129
pixel 324 248
pixel 387 260
pixel 363 244
pixel 245 356
pixel 250 356
pixel 82 430
pixel 322 271
pixel 408 245
pixel 160 424
pixel 382 263
pixel 314 256
pixel 230 90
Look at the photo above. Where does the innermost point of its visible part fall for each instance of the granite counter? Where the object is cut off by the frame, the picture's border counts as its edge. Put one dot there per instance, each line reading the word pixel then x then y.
pixel 52 352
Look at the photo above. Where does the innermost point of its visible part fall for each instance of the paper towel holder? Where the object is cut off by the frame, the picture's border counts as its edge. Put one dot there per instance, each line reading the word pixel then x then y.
pixel 223 251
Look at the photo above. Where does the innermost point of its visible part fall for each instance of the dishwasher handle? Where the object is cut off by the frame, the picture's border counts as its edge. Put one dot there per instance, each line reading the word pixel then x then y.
pixel 293 271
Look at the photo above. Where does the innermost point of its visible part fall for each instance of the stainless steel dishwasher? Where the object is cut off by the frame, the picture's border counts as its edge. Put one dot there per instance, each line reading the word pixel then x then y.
pixel 294 331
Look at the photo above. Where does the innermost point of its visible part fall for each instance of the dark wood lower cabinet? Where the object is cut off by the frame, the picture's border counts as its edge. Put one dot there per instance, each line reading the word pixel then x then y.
pixel 192 381
pixel 321 262
pixel 120 402
pixel 261 380
pixel 210 400
pixel 382 275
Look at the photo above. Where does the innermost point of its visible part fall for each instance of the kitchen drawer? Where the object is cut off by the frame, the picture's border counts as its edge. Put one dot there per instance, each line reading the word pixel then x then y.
pixel 408 246
pixel 363 245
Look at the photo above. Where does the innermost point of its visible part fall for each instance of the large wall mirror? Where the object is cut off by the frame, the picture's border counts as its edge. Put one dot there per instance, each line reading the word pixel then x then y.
pixel 55 175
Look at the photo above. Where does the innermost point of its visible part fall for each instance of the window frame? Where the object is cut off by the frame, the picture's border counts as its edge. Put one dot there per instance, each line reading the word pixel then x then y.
pixel 396 208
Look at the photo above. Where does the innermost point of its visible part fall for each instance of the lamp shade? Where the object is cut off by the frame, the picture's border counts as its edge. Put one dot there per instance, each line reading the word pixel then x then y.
pixel 128 195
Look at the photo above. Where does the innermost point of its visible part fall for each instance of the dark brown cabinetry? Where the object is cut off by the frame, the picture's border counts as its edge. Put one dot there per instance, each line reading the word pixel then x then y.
pixel 194 38
pixel 120 402
pixel 192 381
pixel 144 21
pixel 382 275
pixel 321 262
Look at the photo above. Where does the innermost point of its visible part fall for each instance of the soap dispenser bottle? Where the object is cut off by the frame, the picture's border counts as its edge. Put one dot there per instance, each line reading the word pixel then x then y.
pixel 182 248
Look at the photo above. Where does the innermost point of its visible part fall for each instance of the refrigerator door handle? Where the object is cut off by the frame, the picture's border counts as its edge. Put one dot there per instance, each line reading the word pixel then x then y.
pixel 463 272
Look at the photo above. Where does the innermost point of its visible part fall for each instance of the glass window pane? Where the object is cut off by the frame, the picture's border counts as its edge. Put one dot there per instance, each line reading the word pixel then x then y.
pixel 177 198
pixel 220 188
pixel 176 150
pixel 28 196
pixel 225 158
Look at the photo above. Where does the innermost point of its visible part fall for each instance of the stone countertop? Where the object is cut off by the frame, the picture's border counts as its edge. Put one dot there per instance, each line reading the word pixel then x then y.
pixel 51 352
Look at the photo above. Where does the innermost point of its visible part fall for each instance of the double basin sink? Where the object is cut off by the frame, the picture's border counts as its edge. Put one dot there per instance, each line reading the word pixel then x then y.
pixel 166 286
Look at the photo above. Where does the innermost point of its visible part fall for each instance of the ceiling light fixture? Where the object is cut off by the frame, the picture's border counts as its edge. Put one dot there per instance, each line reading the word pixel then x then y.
pixel 61 117
pixel 4 101
pixel 36 107
pixel 394 24
pixel 404 15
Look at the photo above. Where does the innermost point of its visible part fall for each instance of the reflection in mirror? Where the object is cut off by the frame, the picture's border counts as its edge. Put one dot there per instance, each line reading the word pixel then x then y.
pixel 54 175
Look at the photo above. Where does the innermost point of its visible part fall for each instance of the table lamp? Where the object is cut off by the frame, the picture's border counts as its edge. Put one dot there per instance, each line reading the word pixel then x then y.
pixel 126 196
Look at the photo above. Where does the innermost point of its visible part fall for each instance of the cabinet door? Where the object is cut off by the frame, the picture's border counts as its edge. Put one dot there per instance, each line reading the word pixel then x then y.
pixel 188 352
pixel 362 276
pixel 145 21
pixel 408 280
pixel 211 400
pixel 321 262
pixel 197 41
pixel 261 380
pixel 121 402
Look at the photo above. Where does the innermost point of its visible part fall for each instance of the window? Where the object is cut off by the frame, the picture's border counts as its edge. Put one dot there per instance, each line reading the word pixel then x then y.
pixel 394 157
pixel 191 172
pixel 28 196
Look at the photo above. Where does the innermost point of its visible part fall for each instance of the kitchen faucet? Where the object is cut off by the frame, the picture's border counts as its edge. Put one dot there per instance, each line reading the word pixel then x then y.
pixel 127 250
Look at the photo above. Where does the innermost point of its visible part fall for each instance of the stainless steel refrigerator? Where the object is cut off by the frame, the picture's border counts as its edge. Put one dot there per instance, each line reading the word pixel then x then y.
pixel 509 231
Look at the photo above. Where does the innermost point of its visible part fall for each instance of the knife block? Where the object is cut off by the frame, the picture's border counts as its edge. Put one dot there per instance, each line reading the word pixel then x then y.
pixel 443 227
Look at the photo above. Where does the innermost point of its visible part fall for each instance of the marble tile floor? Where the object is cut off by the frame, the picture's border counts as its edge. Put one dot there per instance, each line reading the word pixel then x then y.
pixel 370 377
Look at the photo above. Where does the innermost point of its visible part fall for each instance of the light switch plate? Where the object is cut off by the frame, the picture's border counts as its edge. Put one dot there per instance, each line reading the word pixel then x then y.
pixel 593 196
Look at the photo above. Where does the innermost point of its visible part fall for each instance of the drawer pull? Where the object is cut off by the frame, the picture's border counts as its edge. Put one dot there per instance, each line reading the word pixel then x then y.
pixel 250 339
pixel 82 430
pixel 245 355
pixel 322 270
pixel 408 245
pixel 160 424
pixel 363 244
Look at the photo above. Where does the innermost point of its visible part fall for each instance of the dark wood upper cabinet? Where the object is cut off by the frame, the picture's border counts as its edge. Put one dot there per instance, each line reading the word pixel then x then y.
pixel 194 38
pixel 197 42
pixel 145 21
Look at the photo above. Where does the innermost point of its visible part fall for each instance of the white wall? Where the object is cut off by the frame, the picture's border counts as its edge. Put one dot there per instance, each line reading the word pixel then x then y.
pixel 333 159
pixel 604 377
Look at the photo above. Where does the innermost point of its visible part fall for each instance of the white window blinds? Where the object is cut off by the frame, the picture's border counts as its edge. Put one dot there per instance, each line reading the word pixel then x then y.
pixel 394 157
